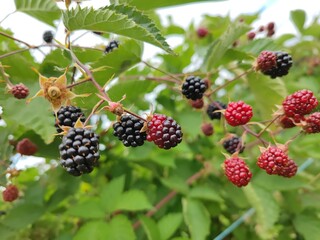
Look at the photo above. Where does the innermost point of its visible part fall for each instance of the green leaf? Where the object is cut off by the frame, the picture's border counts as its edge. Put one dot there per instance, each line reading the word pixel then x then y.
pixel 147 5
pixel 197 218
pixel 120 228
pixel 44 10
pixel 308 226
pixel 169 224
pixel 120 19
pixel 205 193
pixel 256 46
pixel 267 209
pixel 298 17
pixel 97 230
pixel 150 227
pixel 221 45
pixel 91 208
pixel 267 93
pixel 175 183
pixel 133 200
pixel 111 194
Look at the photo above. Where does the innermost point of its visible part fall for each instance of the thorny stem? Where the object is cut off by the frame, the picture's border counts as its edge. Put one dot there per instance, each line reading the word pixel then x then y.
pixel 5 76
pixel 162 71
pixel 269 124
pixel 229 82
pixel 93 111
pixel 170 195
pixel 248 130
pixel 78 83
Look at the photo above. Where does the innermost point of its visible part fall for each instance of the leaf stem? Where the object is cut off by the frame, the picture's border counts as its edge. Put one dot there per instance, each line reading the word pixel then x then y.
pixel 162 71
pixel 269 124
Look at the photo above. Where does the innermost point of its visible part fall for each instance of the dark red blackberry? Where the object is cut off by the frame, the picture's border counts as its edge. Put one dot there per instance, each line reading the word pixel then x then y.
pixel 312 123
pixel 47 36
pixel 19 91
pixel 299 103
pixel 164 131
pixel 214 106
pixel 289 170
pixel 193 87
pixel 67 116
pixel 128 130
pixel 282 65
pixel 272 159
pixel 26 147
pixel 232 144
pixel 79 151
pixel 207 129
pixel 251 35
pixel 237 171
pixel 11 193
pixel 112 45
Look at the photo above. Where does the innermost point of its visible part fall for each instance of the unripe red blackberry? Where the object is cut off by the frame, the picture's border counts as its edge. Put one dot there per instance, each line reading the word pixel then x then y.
pixel 164 131
pixel 26 147
pixel 286 122
pixel 207 129
pixel 270 26
pixel 47 36
pixel 11 193
pixel 198 104
pixel 312 123
pixel 19 91
pixel 237 171
pixel 193 87
pixel 79 151
pixel 202 32
pixel 68 116
pixel 232 144
pixel 289 170
pixel 299 103
pixel 272 160
pixel 238 113
pixel 251 35
pixel 111 45
pixel 274 64
pixel 213 107
pixel 128 130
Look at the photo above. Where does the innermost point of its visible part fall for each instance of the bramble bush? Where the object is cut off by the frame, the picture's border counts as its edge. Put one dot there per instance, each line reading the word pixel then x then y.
pixel 175 147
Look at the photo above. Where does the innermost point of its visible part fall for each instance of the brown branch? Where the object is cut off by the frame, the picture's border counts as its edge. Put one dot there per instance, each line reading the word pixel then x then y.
pixel 17 40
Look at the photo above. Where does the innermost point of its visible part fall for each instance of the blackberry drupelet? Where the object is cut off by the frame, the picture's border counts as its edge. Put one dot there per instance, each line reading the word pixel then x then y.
pixel 214 106
pixel 193 87
pixel 79 151
pixel 128 130
pixel 67 116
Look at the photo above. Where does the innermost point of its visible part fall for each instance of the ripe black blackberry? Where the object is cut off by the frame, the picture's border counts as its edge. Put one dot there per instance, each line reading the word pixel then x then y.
pixel 79 151
pixel 112 45
pixel 214 106
pixel 128 130
pixel 193 87
pixel 67 116
pixel 231 144
pixel 274 64
pixel 47 36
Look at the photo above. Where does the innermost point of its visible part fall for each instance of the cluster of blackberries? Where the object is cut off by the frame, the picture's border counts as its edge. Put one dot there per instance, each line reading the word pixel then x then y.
pixel 67 116
pixel 193 87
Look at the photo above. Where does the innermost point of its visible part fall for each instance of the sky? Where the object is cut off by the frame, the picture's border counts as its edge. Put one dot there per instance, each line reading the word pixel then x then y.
pixel 278 11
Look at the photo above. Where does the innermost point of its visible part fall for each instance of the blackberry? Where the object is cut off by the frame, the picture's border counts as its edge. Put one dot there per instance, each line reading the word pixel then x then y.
pixel 202 32
pixel 207 129
pixel 11 193
pixel 193 87
pixel 238 113
pixel 112 45
pixel 274 64
pixel 312 123
pixel 237 171
pixel 272 160
pixel 26 147
pixel 19 91
pixel 67 116
pixel 214 106
pixel 164 131
pixel 233 144
pixel 128 130
pixel 289 170
pixel 79 151
pixel 47 36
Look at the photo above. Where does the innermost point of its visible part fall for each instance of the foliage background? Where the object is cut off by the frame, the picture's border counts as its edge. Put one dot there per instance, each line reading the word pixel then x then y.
pixel 130 182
